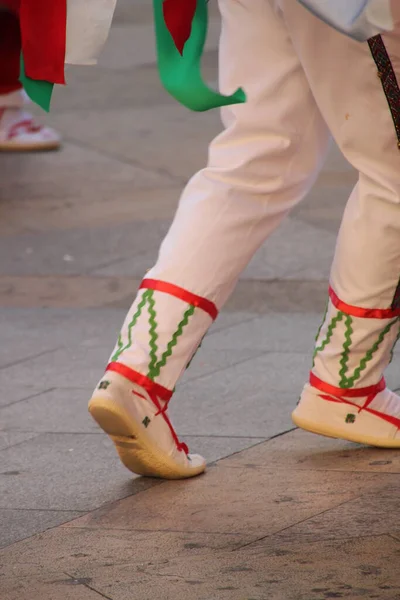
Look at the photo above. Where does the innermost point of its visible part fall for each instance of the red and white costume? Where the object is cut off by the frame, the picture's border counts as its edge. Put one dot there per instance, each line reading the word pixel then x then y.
pixel 50 33
pixel 304 82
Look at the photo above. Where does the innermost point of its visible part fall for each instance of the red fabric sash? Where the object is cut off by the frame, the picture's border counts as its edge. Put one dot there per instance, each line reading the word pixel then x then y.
pixel 178 16
pixel 43 32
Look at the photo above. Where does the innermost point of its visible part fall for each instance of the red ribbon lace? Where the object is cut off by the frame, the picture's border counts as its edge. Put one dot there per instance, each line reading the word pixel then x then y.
pixel 155 391
pixel 335 394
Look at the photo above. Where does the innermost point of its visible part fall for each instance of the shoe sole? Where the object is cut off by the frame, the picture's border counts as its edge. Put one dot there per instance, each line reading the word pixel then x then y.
pixel 135 450
pixel 333 423
pixel 32 147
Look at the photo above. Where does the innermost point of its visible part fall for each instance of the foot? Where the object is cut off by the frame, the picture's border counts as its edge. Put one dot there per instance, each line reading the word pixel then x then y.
pixel 373 419
pixel 20 133
pixel 137 423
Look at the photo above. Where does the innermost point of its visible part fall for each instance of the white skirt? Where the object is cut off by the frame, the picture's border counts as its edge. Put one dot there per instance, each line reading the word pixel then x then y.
pixel 88 25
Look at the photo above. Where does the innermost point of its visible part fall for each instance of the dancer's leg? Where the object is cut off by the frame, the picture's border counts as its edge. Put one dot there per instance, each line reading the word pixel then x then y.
pixel 356 88
pixel 259 168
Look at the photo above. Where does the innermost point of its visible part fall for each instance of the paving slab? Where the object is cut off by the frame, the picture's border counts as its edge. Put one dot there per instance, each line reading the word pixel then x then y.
pixel 363 516
pixel 326 201
pixel 292 496
pixel 259 403
pixel 118 203
pixel 11 393
pixel 304 451
pixel 356 570
pixel 13 438
pixel 78 251
pixel 18 524
pixel 278 332
pixel 87 291
pixel 46 473
pixel 133 135
pixel 85 327
pixel 289 253
pixel 74 549
pixel 82 367
pixel 279 529
pixel 65 588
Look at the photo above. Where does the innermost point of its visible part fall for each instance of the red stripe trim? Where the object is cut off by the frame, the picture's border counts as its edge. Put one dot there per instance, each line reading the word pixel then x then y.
pixel 340 392
pixel 142 380
pixel 174 290
pixel 362 313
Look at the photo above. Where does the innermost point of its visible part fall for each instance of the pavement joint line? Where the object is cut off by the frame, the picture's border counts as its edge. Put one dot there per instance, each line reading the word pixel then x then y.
pixel 21 442
pixel 28 358
pixel 141 530
pixel 227 327
pixel 12 430
pixel 130 162
pixel 280 434
pixel 244 280
pixel 57 510
pixel 110 263
pixel 309 470
pixel 90 270
pixel 264 537
pixel 229 437
pixel 320 538
pixel 263 441
pixel 46 391
pixel 86 585
pixel 226 368
pixel 260 438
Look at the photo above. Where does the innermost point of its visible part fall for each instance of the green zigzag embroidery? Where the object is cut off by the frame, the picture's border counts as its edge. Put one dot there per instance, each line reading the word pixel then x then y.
pixel 153 336
pixel 155 365
pixel 331 327
pixel 348 382
pixel 121 348
pixel 395 342
pixel 346 352
pixel 170 346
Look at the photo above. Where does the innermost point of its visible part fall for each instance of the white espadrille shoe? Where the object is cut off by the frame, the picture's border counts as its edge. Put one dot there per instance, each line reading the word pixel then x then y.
pixel 20 133
pixel 368 416
pixel 132 410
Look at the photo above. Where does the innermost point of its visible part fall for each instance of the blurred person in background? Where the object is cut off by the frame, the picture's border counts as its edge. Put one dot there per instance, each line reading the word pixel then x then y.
pixel 18 129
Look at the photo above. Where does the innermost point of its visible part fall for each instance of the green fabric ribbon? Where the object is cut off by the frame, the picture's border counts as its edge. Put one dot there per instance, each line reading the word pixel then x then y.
pixel 181 75
pixel 39 92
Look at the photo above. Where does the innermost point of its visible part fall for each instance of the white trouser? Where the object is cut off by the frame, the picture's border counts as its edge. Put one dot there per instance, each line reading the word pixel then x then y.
pixel 302 79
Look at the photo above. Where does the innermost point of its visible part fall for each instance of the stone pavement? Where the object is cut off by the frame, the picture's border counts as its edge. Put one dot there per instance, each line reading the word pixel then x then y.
pixel 280 515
